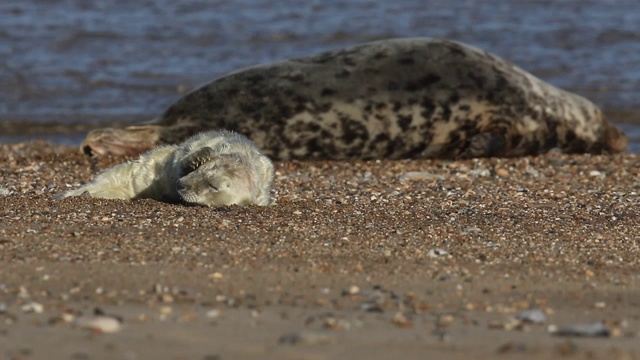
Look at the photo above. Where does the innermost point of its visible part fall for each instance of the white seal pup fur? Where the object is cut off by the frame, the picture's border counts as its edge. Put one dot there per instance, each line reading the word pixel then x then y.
pixel 213 168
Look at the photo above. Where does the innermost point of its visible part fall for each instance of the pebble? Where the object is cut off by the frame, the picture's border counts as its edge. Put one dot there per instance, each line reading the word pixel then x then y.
pixel 401 321
pixel 3 308
pixel 502 172
pixel 33 307
pixel 595 329
pixel 509 325
pixel 533 172
pixel 216 276
pixel 421 176
pixel 437 253
pixel 336 324
pixel 566 348
pixel 213 314
pixel 66 318
pixel 512 347
pixel 4 191
pixel 100 324
pixel 480 172
pixel 444 320
pixel 372 307
pixel 533 316
pixel 597 174
pixel 353 290
pixel 306 337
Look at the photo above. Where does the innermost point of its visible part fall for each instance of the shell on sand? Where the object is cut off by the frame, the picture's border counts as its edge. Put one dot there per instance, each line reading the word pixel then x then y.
pixel 397 98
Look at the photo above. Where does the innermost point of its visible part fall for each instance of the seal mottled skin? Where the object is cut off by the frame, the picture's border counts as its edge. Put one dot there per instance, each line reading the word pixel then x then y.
pixel 399 98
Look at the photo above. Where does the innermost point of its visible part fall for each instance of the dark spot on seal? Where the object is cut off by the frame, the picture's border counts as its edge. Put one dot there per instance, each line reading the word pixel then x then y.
pixel 429 108
pixel 327 92
pixel 295 77
pixel 380 55
pixel 456 49
pixel 478 80
pixel 501 82
pixel 404 121
pixel 324 108
pixel 418 150
pixel 429 80
pixel 349 61
pixel 382 137
pixel 353 130
pixel 446 112
pixel 422 82
pixel 254 78
pixel 406 61
pixel 342 74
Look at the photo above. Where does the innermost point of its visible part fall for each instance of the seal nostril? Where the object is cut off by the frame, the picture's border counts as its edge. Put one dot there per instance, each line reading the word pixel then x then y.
pixel 180 186
pixel 87 150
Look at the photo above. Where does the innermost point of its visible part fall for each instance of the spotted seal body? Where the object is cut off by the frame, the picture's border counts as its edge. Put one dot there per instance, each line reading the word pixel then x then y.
pixel 399 98
pixel 213 168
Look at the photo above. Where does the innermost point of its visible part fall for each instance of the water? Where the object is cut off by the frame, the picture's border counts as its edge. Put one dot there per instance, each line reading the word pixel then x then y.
pixel 93 62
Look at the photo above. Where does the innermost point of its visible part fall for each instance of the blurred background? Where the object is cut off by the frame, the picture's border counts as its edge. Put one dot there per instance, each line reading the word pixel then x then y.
pixel 70 65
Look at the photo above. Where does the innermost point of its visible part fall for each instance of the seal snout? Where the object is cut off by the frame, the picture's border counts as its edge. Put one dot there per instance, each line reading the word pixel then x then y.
pixel 86 149
pixel 180 186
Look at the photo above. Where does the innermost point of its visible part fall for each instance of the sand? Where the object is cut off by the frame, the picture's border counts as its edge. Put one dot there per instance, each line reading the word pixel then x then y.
pixel 358 260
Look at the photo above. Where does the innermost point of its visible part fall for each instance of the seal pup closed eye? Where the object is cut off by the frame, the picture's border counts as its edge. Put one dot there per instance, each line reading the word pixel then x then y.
pixel 213 168
pixel 396 98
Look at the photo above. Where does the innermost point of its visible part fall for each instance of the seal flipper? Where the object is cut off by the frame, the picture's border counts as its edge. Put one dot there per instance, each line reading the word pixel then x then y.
pixel 132 140
pixel 194 160
pixel 486 144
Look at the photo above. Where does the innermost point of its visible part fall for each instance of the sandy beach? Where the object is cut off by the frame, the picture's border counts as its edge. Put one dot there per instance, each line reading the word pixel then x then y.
pixel 362 259
pixel 534 257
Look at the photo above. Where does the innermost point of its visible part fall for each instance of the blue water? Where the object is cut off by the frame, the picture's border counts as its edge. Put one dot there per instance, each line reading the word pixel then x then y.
pixel 64 61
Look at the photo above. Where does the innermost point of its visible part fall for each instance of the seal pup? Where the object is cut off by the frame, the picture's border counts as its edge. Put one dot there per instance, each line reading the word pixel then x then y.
pixel 398 98
pixel 214 168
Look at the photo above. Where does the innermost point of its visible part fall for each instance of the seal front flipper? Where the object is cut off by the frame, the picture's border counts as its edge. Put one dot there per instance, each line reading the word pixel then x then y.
pixel 194 160
pixel 486 144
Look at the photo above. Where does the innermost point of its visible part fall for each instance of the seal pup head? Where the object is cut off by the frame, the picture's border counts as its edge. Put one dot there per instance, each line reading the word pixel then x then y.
pixel 212 179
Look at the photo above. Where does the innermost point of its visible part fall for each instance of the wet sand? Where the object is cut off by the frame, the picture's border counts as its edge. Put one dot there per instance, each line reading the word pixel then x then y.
pixel 365 260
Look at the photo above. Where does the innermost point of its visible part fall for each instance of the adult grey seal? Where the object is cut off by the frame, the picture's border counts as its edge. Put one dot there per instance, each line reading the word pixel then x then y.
pixel 398 98
pixel 213 168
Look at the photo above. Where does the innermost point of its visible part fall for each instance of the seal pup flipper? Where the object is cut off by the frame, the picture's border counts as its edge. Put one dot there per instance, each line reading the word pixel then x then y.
pixel 196 159
pixel 485 145
pixel 132 140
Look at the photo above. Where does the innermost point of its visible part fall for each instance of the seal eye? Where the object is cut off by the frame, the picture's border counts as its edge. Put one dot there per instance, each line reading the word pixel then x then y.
pixel 213 187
